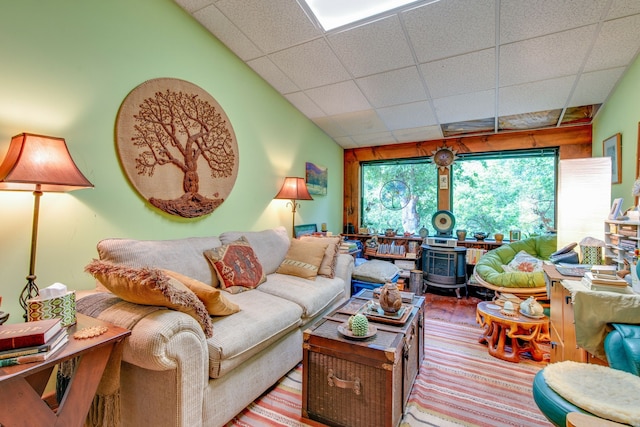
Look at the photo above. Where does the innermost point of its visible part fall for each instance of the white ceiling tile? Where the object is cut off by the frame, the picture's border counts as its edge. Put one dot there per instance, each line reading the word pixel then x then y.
pixel 393 87
pixel 360 122
pixel 617 44
pixel 272 25
pixel 433 62
pixel 414 115
pixel 311 64
pixel 524 19
pixel 468 106
pixel 344 97
pixel 372 139
pixel 418 134
pixel 452 76
pixel 620 8
pixel 594 87
pixel 369 49
pixel 302 102
pixel 330 127
pixel 193 5
pixel 538 96
pixel 449 28
pixel 273 75
pixel 218 24
pixel 346 142
pixel 546 57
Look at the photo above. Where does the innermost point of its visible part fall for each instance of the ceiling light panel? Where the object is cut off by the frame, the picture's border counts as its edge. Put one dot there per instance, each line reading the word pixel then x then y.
pixel 332 14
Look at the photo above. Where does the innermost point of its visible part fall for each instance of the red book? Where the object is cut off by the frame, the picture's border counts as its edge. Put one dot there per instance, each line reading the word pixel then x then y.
pixel 18 335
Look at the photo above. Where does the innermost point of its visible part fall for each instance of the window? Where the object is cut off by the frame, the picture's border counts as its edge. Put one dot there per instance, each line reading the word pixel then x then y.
pixel 401 195
pixel 500 192
pixel 490 192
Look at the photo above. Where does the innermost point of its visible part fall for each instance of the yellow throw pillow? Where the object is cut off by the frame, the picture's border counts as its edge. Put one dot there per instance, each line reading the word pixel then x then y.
pixel 303 258
pixel 150 286
pixel 215 302
pixel 328 265
pixel 236 264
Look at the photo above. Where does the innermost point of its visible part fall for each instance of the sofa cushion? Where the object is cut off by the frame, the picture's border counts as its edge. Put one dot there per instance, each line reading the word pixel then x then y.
pixel 185 256
pixel 212 298
pixel 523 262
pixel 328 265
pixel 270 246
pixel 236 264
pixel 376 271
pixel 262 320
pixel 150 286
pixel 313 296
pixel 303 258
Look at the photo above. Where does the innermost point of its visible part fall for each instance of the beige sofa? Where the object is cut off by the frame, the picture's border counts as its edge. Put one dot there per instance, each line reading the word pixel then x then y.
pixel 171 375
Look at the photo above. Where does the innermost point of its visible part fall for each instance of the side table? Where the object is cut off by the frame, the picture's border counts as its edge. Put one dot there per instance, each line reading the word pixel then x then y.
pixel 21 386
pixel 522 334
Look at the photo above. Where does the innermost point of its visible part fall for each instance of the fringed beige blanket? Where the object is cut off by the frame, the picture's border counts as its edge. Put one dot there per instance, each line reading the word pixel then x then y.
pixel 105 408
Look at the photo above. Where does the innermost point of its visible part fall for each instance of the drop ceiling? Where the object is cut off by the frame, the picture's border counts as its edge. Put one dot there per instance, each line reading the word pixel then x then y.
pixel 435 69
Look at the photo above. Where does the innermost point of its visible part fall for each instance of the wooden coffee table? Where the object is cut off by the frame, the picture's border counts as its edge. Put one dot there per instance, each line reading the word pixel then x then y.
pixel 361 382
pixel 507 337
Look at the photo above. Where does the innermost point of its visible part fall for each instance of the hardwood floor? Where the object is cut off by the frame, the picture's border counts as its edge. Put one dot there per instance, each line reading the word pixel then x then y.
pixel 444 305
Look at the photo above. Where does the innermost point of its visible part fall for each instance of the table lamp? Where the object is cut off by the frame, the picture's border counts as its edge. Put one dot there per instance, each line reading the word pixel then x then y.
pixel 293 188
pixel 40 164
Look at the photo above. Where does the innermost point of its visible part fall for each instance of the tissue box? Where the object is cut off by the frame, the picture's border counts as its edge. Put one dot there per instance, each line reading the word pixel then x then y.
pixel 63 307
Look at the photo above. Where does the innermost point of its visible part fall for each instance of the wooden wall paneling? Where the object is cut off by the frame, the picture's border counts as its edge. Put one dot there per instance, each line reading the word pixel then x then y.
pixel 573 142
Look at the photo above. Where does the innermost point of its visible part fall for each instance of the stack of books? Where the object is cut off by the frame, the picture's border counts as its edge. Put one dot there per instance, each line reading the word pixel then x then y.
pixel 31 342
pixel 603 278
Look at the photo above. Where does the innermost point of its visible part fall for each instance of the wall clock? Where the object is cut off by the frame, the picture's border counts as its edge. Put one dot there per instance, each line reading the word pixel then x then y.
pixel 443 221
pixel 395 195
pixel 443 157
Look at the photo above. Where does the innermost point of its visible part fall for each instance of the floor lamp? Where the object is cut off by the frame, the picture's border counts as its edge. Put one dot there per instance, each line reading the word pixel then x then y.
pixel 293 189
pixel 40 164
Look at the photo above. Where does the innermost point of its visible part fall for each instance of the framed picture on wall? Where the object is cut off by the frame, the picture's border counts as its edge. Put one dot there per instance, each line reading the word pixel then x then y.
pixel 612 147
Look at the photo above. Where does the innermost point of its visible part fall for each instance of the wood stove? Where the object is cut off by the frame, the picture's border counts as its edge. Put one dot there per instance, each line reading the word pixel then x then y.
pixel 444 267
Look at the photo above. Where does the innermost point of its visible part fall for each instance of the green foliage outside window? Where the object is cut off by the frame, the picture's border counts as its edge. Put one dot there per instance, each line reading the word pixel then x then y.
pixel 494 195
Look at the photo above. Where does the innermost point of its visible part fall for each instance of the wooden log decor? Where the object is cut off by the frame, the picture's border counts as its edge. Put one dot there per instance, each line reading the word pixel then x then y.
pixel 177 147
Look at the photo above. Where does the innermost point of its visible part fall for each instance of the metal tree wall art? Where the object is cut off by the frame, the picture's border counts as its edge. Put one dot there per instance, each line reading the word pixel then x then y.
pixel 177 147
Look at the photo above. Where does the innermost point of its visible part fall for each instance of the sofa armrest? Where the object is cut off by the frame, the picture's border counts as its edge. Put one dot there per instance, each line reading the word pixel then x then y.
pixel 344 269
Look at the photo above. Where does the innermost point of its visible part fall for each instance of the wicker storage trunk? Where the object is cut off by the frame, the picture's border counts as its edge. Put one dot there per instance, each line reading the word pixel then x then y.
pixel 360 383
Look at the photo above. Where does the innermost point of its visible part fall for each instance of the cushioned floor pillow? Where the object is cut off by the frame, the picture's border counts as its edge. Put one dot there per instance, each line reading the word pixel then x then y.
pixel 490 269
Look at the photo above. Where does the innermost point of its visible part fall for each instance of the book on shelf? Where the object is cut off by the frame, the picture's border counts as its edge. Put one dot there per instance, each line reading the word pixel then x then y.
pixel 43 348
pixel 38 357
pixel 18 335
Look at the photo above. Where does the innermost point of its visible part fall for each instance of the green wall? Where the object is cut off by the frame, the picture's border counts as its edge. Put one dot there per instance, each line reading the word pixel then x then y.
pixel 621 114
pixel 67 65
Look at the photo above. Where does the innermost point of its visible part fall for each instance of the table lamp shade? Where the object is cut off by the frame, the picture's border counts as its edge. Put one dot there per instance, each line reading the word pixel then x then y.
pixel 40 163
pixel 294 188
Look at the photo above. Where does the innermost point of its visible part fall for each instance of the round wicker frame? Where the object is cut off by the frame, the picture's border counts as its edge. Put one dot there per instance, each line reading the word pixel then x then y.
pixel 539 293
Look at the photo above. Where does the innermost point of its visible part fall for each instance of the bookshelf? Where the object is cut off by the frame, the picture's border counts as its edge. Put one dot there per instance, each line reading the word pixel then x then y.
pixel 621 241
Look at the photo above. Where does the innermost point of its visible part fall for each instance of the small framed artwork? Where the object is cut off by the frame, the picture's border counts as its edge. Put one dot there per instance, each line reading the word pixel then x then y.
pixel 444 182
pixel 305 229
pixel 316 177
pixel 612 147
pixel 514 235
pixel 616 208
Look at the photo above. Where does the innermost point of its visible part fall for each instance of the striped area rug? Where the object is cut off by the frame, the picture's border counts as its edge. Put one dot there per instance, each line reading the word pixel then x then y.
pixel 459 384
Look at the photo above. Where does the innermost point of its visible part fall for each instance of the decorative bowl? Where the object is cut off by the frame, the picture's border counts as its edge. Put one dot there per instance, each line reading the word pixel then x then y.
pixel 480 235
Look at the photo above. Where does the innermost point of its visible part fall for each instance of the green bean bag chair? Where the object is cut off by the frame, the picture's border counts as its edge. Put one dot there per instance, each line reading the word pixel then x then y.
pixel 490 273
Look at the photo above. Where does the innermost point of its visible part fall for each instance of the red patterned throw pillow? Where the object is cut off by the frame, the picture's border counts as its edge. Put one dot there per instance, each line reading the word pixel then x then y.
pixel 236 265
